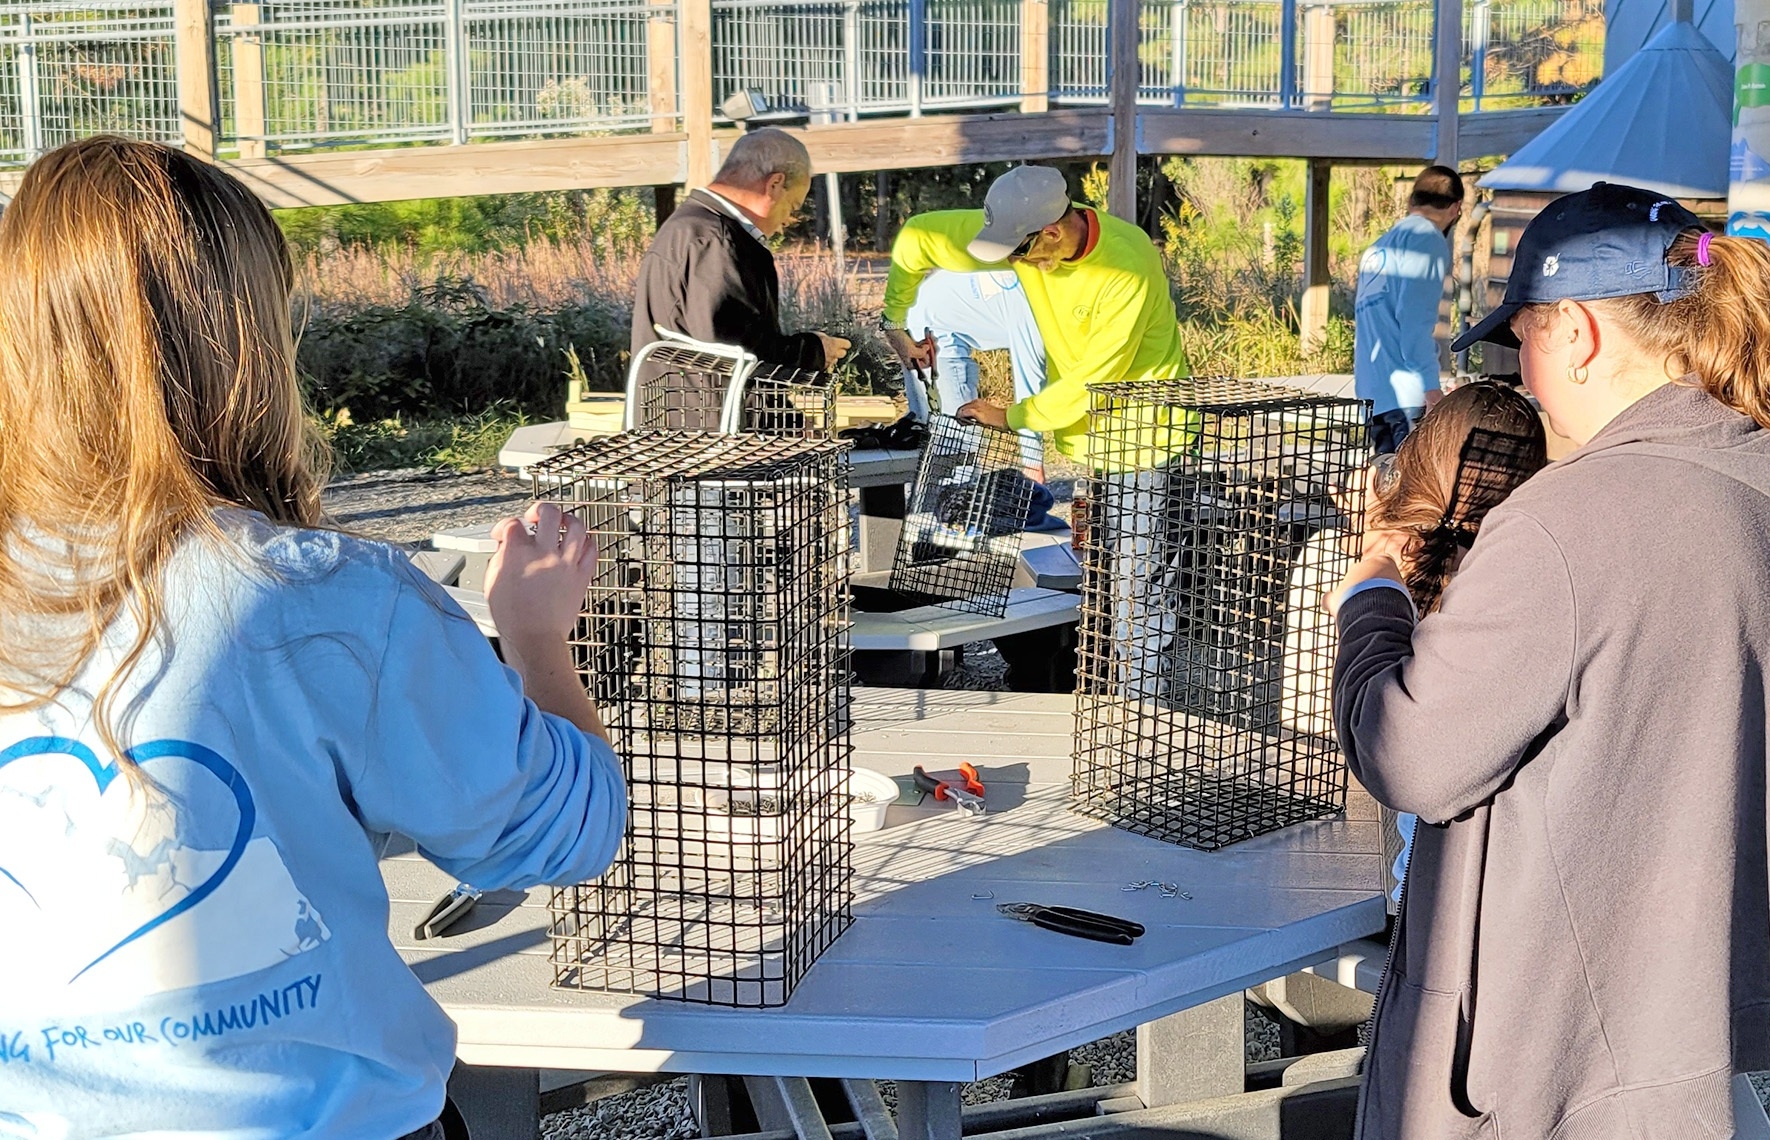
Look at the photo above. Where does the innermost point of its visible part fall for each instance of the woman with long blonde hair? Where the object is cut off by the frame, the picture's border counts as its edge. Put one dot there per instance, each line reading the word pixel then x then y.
pixel 213 710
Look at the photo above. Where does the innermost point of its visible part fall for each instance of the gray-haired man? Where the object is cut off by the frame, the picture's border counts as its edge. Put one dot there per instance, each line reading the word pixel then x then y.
pixel 708 273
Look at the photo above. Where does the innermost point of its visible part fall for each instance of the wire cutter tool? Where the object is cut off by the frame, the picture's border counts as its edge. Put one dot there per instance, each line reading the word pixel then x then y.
pixel 965 793
pixel 1076 923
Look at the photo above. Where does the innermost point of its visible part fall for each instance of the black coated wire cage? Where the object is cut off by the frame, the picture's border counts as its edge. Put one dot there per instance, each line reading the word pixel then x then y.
pixel 681 387
pixel 714 639
pixel 1219 512
pixel 966 513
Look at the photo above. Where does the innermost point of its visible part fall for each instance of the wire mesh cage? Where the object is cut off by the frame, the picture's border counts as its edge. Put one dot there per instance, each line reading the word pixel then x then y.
pixel 694 387
pixel 1219 511
pixel 714 639
pixel 963 524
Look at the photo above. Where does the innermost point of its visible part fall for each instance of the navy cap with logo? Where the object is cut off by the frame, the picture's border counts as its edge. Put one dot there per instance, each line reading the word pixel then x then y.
pixel 1609 241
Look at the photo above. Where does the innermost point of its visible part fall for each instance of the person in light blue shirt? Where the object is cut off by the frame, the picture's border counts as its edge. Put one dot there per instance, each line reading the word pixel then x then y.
pixel 214 712
pixel 1400 284
pixel 965 312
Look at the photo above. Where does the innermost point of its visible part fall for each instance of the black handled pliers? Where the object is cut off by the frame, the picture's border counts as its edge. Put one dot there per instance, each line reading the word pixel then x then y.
pixel 1076 923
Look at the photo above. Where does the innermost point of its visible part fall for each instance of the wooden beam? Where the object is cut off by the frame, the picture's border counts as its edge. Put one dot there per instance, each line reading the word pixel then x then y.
pixel 1447 85
pixel 449 171
pixel 1126 75
pixel 696 39
pixel 1317 282
pixel 948 140
pixel 1287 134
pixel 1502 132
pixel 248 73
pixel 199 105
pixel 1035 56
pixel 648 159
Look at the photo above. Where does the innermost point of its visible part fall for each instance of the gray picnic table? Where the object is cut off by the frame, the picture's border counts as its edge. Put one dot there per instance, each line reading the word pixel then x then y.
pixel 931 986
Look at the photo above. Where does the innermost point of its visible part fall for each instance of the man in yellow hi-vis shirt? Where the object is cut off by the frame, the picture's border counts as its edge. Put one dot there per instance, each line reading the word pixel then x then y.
pixel 1095 284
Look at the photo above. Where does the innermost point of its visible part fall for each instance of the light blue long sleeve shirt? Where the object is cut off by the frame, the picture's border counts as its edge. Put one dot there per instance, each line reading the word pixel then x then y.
pixel 1400 284
pixel 200 948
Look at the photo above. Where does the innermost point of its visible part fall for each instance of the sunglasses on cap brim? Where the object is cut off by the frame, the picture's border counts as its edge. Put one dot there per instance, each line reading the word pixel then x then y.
pixel 1026 244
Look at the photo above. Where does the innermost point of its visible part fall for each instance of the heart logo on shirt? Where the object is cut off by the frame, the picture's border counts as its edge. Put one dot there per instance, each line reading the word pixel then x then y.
pixel 102 776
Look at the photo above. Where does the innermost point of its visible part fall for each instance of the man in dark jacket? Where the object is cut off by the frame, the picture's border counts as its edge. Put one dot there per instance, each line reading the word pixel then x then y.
pixel 709 275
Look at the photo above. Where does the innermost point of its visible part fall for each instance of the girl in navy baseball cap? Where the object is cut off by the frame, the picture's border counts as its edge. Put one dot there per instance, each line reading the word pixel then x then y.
pixel 1617 265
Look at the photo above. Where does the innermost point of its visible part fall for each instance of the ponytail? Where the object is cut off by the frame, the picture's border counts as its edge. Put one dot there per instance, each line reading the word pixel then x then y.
pixel 1721 330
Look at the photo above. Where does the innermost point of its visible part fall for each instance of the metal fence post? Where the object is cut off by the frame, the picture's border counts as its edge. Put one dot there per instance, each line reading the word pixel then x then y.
pixel 851 57
pixel 1480 23
pixel 1177 51
pixel 30 95
pixel 459 78
pixel 918 53
pixel 199 103
pixel 1287 54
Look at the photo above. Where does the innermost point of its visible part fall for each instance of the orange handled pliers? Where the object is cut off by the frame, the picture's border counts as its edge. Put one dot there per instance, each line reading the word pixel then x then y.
pixel 965 793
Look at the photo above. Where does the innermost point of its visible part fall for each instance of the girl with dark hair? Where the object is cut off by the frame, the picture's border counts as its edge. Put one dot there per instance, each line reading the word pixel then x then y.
pixel 1581 724
pixel 1469 452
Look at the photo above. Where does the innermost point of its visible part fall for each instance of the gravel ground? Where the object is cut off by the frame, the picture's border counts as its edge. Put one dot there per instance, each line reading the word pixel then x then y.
pixel 408 506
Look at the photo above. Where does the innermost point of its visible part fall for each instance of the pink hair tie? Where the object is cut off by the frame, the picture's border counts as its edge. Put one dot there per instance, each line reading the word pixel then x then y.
pixel 1702 247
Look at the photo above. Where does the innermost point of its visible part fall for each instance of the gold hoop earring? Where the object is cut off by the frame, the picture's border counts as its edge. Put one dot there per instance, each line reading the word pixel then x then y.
pixel 1579 374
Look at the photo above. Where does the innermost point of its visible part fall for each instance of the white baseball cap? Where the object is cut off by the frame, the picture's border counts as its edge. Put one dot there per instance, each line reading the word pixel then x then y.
pixel 1023 201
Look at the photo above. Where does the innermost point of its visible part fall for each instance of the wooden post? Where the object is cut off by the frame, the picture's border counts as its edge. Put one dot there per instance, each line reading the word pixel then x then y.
pixel 1035 56
pixel 882 211
pixel 249 103
pixel 696 38
pixel 660 61
pixel 199 104
pixel 1316 280
pixel 1318 57
pixel 1447 81
pixel 1126 76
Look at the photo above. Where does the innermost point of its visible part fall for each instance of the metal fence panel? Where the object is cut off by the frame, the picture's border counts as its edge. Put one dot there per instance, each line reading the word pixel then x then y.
pixel 1383 51
pixel 68 71
pixel 870 56
pixel 556 65
pixel 1526 53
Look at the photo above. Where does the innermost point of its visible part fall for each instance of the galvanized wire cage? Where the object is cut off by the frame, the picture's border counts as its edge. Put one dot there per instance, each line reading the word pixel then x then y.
pixel 682 385
pixel 967 511
pixel 713 639
pixel 1219 510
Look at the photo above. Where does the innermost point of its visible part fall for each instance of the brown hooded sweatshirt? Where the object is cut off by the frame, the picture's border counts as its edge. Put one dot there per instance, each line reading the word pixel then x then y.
pixel 1584 951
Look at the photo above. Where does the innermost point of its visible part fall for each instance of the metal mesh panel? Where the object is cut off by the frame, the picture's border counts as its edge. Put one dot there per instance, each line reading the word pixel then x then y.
pixel 559 65
pixel 865 57
pixel 713 638
pixel 1383 52
pixel 967 511
pixel 340 71
pixel 1528 52
pixel 1203 667
pixel 684 390
pixel 68 71
pixel 1227 52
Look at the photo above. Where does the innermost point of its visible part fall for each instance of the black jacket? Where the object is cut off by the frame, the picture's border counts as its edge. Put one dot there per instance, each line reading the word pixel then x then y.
pixel 707 277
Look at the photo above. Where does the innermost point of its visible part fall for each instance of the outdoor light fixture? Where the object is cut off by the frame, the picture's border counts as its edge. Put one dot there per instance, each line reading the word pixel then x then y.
pixel 752 108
